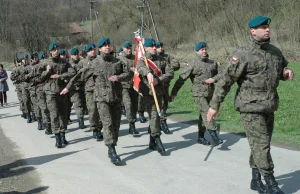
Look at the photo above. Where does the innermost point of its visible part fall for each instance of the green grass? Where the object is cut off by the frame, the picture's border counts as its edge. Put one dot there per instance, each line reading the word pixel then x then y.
pixel 8 66
pixel 287 118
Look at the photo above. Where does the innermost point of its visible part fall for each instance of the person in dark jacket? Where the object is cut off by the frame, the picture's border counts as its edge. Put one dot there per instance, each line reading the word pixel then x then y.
pixel 3 86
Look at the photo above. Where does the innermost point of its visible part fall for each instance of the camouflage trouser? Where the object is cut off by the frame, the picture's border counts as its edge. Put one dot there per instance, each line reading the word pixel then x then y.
pixel 70 104
pixel 94 118
pixel 110 114
pixel 259 129
pixel 203 104
pixel 154 120
pixel 58 107
pixel 41 98
pixel 26 100
pixel 141 104
pixel 19 95
pixel 130 101
pixel 165 101
pixel 34 101
pixel 77 98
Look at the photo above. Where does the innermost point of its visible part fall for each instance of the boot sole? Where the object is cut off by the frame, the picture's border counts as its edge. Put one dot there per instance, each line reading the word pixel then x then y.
pixel 255 189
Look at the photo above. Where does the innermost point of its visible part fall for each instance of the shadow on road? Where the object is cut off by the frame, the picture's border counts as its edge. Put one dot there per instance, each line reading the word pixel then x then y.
pixel 32 191
pixel 24 165
pixel 230 139
pixel 7 115
pixel 289 182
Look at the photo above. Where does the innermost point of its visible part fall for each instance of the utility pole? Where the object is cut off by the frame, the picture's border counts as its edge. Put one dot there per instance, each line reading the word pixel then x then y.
pixel 91 19
pixel 141 8
pixel 154 27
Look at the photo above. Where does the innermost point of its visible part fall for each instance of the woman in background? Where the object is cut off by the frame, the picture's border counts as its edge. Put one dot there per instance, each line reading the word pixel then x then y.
pixel 3 86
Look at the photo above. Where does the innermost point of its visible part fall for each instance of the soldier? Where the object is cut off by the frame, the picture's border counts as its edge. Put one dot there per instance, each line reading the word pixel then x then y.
pixel 148 76
pixel 56 73
pixel 169 58
pixel 203 72
pixel 129 95
pixel 120 51
pixel 63 54
pixel 14 77
pixel 89 87
pixel 257 69
pixel 108 72
pixel 77 94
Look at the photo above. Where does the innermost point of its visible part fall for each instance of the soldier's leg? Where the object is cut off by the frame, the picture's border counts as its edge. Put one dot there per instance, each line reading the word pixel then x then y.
pixel 21 103
pixel 141 109
pixel 36 108
pixel 154 124
pixel 42 103
pixel 129 111
pixel 203 104
pixel 63 114
pixel 77 100
pixel 69 107
pixel 111 118
pixel 94 118
pixel 27 103
pixel 52 104
pixel 163 118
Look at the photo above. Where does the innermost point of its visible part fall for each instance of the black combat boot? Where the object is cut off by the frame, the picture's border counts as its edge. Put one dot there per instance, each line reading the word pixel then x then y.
pixel 272 185
pixel 123 110
pixel 58 143
pixel 142 117
pixel 160 146
pixel 152 144
pixel 256 183
pixel 24 115
pixel 215 137
pixel 132 129
pixel 112 154
pixel 99 135
pixel 164 126
pixel 28 116
pixel 201 139
pixel 40 124
pixel 81 123
pixel 48 130
pixel 63 138
pixel 69 121
pixel 33 117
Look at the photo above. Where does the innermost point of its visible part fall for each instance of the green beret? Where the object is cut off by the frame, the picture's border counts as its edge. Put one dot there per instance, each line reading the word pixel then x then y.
pixel 53 45
pixel 62 52
pixel 74 51
pixel 26 56
pixel 90 47
pixel 259 20
pixel 19 60
pixel 120 50
pixel 41 55
pixel 149 42
pixel 200 45
pixel 103 41
pixel 127 44
pixel 35 54
pixel 159 44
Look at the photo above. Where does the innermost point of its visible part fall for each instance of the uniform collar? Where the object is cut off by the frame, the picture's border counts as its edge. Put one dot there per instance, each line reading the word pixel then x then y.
pixel 259 44
pixel 204 59
pixel 106 57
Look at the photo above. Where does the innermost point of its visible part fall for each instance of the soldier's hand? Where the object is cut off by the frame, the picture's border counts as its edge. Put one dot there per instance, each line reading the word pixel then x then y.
pixel 210 80
pixel 211 114
pixel 289 73
pixel 150 77
pixel 48 68
pixel 113 78
pixel 54 76
pixel 132 69
pixel 64 91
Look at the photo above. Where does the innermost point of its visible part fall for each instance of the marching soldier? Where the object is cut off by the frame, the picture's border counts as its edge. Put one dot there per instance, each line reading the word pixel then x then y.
pixel 257 68
pixel 203 72
pixel 55 74
pixel 129 95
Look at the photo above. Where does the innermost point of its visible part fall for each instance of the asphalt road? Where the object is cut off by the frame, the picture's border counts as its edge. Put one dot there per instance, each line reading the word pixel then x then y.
pixel 83 165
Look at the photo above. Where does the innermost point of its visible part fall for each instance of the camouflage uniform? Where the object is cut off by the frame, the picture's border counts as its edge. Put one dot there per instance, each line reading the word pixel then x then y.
pixel 129 95
pixel 257 69
pixel 25 92
pixel 57 104
pixel 14 77
pixel 198 70
pixel 89 87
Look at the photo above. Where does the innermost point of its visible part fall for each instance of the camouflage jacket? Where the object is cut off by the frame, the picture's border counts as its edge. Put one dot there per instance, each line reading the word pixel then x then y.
pixel 171 60
pixel 257 69
pixel 77 65
pixel 128 60
pixel 163 79
pixel 33 74
pixel 24 70
pixel 84 75
pixel 14 76
pixel 58 66
pixel 198 70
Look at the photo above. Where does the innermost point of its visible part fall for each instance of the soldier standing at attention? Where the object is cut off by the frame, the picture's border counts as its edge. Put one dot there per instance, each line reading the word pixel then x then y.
pixel 148 76
pixel 257 68
pixel 203 72
pixel 129 95
pixel 77 94
pixel 57 71
pixel 108 72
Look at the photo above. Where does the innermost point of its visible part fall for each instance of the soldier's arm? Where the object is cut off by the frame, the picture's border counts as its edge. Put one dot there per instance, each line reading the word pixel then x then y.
pixel 69 74
pixel 127 74
pixel 285 67
pixel 142 69
pixel 45 74
pixel 174 63
pixel 181 79
pixel 74 79
pixel 219 74
pixel 169 74
pixel 231 74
